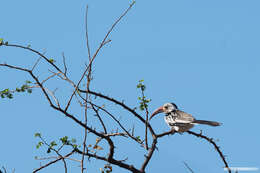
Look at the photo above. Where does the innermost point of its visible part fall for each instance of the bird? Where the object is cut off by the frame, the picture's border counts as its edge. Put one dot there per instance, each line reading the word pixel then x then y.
pixel 178 120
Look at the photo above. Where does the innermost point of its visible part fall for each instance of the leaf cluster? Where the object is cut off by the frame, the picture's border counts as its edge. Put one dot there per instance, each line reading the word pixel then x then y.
pixel 53 144
pixel 7 93
pixel 143 100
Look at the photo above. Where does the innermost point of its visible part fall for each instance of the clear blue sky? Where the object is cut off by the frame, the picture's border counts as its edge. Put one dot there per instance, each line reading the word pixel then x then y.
pixel 203 55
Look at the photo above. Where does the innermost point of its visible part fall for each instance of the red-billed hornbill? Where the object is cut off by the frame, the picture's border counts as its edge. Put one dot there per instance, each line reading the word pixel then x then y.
pixel 178 120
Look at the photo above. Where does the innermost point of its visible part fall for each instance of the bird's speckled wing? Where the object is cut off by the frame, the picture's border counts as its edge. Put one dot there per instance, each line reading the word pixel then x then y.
pixel 183 117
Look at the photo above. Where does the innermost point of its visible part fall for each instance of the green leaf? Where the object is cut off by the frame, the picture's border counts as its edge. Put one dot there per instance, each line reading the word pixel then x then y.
pixel 52 60
pixel 1 40
pixel 5 91
pixel 28 81
pixel 37 135
pixel 75 146
pixel 53 143
pixel 39 145
pixel 64 140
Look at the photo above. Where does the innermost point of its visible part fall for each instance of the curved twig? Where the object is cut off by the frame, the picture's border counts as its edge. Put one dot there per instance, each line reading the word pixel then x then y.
pixel 210 140
pixel 34 51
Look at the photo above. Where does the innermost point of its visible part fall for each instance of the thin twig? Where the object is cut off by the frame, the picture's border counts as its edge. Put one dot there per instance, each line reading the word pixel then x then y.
pixel 35 51
pixel 88 84
pixel 36 63
pixel 97 51
pixel 52 162
pixel 123 106
pixel 57 152
pixel 118 122
pixel 146 120
pixel 99 118
pixel 49 77
pixel 87 39
pixel 188 167
pixel 64 64
pixel 55 157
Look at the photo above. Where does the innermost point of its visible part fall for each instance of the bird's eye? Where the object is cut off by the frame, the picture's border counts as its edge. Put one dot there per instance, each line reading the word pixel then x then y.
pixel 166 107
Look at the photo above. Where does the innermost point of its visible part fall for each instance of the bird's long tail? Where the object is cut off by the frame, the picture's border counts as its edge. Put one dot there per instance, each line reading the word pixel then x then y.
pixel 210 123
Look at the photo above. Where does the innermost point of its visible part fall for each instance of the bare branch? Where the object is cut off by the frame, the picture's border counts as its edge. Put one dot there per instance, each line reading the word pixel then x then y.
pixel 36 63
pixel 112 161
pixel 96 53
pixel 54 161
pixel 118 122
pixel 123 106
pixel 99 118
pixel 87 39
pixel 187 166
pixel 149 156
pixel 49 77
pixel 146 120
pixel 171 132
pixel 15 67
pixel 210 140
pixel 53 96
pixel 64 64
pixel 34 51
pixel 116 134
pixel 56 157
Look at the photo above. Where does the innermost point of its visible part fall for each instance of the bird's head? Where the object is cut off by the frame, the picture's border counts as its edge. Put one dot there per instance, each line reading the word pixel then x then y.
pixel 166 108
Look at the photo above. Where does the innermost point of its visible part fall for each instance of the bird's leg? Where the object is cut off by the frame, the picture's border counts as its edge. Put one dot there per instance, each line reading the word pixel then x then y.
pixel 172 131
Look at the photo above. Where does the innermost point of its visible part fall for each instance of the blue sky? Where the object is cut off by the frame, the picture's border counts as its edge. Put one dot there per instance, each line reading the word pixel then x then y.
pixel 202 55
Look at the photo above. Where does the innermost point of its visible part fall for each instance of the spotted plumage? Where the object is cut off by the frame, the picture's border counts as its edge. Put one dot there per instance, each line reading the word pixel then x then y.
pixel 178 120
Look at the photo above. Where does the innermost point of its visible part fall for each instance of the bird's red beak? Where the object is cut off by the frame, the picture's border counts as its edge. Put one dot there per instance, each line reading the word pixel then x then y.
pixel 157 111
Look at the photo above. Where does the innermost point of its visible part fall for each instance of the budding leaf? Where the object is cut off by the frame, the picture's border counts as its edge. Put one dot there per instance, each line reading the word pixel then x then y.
pixel 39 145
pixel 37 135
pixel 53 143
pixel 52 60
pixel 64 140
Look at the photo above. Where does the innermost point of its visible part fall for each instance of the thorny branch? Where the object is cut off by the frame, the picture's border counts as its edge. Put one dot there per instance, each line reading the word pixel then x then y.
pixel 210 140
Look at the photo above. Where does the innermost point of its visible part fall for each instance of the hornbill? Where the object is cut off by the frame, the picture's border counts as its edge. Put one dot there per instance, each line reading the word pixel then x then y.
pixel 178 120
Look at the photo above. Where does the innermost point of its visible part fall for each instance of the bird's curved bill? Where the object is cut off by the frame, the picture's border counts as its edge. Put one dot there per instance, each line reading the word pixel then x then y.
pixel 157 111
